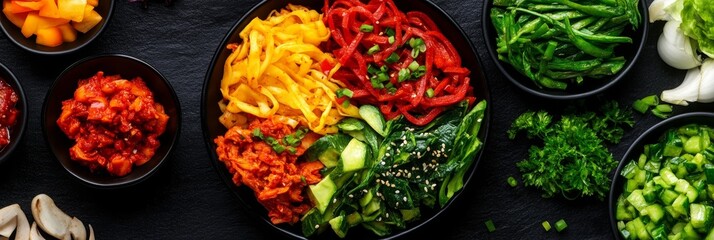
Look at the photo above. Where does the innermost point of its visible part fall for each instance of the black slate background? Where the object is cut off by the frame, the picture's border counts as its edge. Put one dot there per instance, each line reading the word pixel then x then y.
pixel 186 198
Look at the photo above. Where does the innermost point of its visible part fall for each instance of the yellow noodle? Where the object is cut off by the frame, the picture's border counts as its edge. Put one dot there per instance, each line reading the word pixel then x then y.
pixel 275 71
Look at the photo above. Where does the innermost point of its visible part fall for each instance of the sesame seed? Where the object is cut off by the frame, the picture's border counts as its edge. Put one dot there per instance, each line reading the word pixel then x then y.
pixel 409 175
pixel 364 190
pixel 386 215
pixel 393 185
pixel 386 154
pixel 433 185
pixel 399 174
pixel 405 199
pixel 382 163
pixel 334 200
pixel 426 189
pixel 418 176
pixel 351 196
pixel 317 225
pixel 427 182
pixel 397 191
pixel 379 219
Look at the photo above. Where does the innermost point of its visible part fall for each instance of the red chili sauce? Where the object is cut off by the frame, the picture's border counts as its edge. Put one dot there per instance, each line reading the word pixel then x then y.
pixel 115 123
pixel 8 118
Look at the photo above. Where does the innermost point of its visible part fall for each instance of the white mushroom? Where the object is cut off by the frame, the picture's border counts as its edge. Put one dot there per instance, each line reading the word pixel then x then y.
pixel 13 219
pixel 50 218
pixel 34 233
pixel 77 230
pixel 91 232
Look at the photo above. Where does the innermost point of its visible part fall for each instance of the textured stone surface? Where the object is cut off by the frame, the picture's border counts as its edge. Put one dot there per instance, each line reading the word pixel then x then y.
pixel 187 199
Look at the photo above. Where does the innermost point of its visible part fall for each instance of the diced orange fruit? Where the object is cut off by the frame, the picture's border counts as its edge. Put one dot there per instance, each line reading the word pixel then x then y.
pixel 14 8
pixel 16 18
pixel 50 37
pixel 72 9
pixel 49 9
pixel 30 26
pixel 52 21
pixel 34 5
pixel 68 32
pixel 91 19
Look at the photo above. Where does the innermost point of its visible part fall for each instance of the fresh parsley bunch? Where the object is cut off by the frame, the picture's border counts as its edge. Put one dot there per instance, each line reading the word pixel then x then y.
pixel 573 159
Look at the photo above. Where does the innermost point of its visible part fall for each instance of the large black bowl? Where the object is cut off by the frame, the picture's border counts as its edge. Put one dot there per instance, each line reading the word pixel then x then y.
pixel 590 87
pixel 105 9
pixel 128 68
pixel 18 130
pixel 652 135
pixel 211 95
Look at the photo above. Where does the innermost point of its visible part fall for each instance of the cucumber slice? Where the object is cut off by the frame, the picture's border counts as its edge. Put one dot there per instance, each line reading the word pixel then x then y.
pixel 374 118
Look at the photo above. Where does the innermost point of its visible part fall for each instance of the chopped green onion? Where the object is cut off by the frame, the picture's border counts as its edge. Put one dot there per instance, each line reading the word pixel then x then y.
pixel 413 66
pixel 302 179
pixel 376 83
pixel 665 108
pixel 430 93
pixel 390 88
pixel 390 39
pixel 640 106
pixel 404 74
pixel 372 70
pixel 416 43
pixel 659 114
pixel 392 58
pixel 292 150
pixel 344 92
pixel 257 133
pixel 652 100
pixel 346 103
pixel 512 182
pixel 390 32
pixel 546 225
pixel 373 49
pixel 382 77
pixel 490 226
pixel 366 28
pixel 383 69
pixel 420 71
pixel 560 225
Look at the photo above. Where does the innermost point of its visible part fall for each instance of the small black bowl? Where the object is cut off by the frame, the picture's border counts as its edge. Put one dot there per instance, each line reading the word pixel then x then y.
pixel 105 9
pixel 652 135
pixel 590 87
pixel 128 67
pixel 212 128
pixel 18 130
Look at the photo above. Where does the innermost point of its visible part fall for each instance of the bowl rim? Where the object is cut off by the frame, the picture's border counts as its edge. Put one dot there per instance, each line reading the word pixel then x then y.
pixel 66 51
pixel 636 147
pixel 486 25
pixel 10 148
pixel 162 159
pixel 438 213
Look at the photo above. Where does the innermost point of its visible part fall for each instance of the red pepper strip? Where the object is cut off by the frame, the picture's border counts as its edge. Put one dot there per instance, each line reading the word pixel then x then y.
pixel 448 99
pixel 379 12
pixel 461 71
pixel 424 119
pixel 351 49
pixel 359 93
pixel 326 67
pixel 376 39
pixel 423 19
pixel 440 87
pixel 455 57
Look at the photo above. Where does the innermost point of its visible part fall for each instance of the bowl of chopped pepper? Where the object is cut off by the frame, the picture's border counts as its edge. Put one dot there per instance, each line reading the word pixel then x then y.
pixel 342 84
pixel 54 27
pixel 664 185
pixel 568 49
pixel 13 107
pixel 111 120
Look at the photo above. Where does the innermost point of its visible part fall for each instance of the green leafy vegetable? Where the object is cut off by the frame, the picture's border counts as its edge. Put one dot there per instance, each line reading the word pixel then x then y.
pixel 386 172
pixel 698 23
pixel 561 42
pixel 573 159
